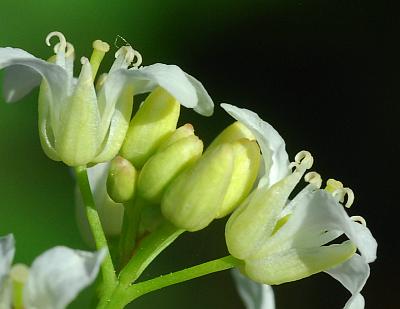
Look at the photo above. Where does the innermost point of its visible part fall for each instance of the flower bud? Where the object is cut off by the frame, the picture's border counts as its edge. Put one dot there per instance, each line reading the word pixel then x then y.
pixel 246 164
pixel 155 120
pixel 232 133
pixel 121 180
pixel 167 163
pixel 193 199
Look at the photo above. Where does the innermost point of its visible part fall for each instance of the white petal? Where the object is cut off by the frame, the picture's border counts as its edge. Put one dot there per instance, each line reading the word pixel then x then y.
pixel 19 81
pixel 15 88
pixel 317 211
pixel 169 77
pixel 58 275
pixel 352 274
pixel 111 213
pixel 272 145
pixel 253 294
pixel 7 251
pixel 205 104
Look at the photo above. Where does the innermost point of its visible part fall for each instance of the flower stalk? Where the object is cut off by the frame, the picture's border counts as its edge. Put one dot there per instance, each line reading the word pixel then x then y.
pixel 107 267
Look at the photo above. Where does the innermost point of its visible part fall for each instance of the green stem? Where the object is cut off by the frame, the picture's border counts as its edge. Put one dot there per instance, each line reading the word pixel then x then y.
pixel 107 267
pixel 148 250
pixel 124 297
pixel 133 210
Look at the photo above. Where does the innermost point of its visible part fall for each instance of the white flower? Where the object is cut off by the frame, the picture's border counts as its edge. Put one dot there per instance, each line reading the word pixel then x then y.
pixel 281 240
pixel 78 122
pixel 52 282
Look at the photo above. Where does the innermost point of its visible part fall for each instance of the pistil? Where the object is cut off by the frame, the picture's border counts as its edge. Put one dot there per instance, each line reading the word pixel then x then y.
pixel 99 50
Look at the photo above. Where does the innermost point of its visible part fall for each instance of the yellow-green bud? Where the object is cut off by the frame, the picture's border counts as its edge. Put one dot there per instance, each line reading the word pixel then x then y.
pixel 155 120
pixel 121 180
pixel 231 134
pixel 166 164
pixel 193 199
pixel 246 165
pixel 182 132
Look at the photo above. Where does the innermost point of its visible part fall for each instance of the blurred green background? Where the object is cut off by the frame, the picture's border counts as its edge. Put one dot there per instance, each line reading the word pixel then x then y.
pixel 322 72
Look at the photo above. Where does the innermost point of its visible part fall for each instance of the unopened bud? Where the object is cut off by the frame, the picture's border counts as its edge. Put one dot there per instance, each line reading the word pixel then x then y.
pixel 193 199
pixel 232 133
pixel 121 180
pixel 166 164
pixel 246 165
pixel 155 120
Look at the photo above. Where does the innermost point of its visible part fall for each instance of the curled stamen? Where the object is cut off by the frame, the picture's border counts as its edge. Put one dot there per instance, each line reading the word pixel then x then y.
pixel 293 165
pixel 359 219
pixel 60 36
pixel 350 197
pixel 304 158
pixel 313 178
pixel 70 50
pixel 138 59
pixel 332 185
pixel 129 55
pixel 339 195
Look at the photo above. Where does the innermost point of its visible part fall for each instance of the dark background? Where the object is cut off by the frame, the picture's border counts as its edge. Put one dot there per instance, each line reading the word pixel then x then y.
pixel 323 73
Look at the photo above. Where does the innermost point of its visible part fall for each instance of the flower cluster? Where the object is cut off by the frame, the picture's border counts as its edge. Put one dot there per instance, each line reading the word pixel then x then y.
pixel 152 180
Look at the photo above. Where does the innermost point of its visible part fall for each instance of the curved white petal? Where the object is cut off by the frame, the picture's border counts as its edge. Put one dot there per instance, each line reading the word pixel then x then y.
pixel 276 161
pixel 111 213
pixel 55 75
pixel 352 274
pixel 205 104
pixel 169 77
pixel 253 294
pixel 58 275
pixel 19 81
pixel 316 212
pixel 7 251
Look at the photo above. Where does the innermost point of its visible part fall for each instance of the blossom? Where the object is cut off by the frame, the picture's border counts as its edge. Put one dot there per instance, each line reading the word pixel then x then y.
pixel 78 122
pixel 52 282
pixel 281 240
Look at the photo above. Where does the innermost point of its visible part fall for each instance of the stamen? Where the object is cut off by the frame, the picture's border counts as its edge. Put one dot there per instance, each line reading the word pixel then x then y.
pixel 359 219
pixel 61 37
pixel 332 185
pixel 313 178
pixel 70 50
pixel 129 55
pixel 350 197
pixel 99 50
pixel 293 165
pixel 339 195
pixel 304 158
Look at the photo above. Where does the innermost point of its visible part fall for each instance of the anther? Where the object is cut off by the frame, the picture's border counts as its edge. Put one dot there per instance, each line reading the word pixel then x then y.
pixel 340 193
pixel 60 36
pixel 70 50
pixel 359 219
pixel 304 158
pixel 313 178
pixel 129 55
pixel 332 185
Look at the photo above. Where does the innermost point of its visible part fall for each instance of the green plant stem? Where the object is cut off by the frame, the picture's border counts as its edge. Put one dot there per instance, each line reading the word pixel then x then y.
pixel 107 267
pixel 123 297
pixel 132 213
pixel 148 250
